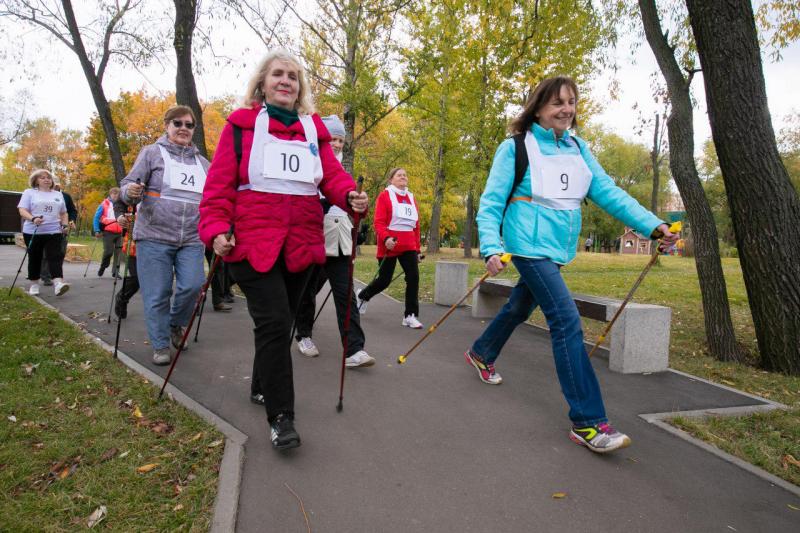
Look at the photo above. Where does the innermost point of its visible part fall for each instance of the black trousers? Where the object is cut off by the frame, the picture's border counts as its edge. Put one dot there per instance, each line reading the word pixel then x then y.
pixel 130 285
pixel 334 271
pixel 112 246
pixel 219 281
pixel 272 300
pixel 409 261
pixel 45 272
pixel 44 245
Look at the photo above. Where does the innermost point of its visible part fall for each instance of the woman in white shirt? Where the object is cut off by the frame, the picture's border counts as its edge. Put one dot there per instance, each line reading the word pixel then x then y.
pixel 44 213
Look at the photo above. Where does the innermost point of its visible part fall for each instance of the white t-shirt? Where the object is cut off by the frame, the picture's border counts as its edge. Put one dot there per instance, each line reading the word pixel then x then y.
pixel 49 204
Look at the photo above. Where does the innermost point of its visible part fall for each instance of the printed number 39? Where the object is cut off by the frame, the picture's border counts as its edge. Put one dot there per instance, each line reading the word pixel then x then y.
pixel 565 182
pixel 187 180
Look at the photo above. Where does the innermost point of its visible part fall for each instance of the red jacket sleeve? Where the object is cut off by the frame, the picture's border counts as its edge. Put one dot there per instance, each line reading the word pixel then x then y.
pixel 219 193
pixel 416 228
pixel 383 217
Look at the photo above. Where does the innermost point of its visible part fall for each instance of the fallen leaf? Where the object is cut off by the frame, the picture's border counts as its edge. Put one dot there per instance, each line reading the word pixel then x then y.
pixel 38 445
pixel 196 437
pixel 97 516
pixel 787 460
pixel 726 382
pixel 88 412
pixel 64 473
pixel 86 365
pixel 161 428
pixel 137 412
pixel 108 454
pixel 792 507
pixel 178 507
pixel 12 418
pixel 146 468
pixel 215 443
pixel 559 495
pixel 177 489
pixel 124 454
pixel 68 378
pixel 30 368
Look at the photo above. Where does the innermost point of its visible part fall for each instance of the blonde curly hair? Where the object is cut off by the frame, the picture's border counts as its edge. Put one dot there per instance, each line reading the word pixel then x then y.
pixel 255 93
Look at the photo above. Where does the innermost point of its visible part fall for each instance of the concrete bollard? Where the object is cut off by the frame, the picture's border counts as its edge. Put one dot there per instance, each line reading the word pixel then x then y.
pixel 451 282
pixel 639 339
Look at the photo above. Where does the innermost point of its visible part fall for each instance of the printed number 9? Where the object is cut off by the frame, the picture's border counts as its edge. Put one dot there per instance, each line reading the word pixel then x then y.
pixel 565 182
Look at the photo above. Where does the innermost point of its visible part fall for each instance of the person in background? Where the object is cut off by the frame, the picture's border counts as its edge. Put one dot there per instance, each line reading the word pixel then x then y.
pixel 72 216
pixel 338 245
pixel 171 175
pixel 45 219
pixel 587 245
pixel 106 226
pixel 396 223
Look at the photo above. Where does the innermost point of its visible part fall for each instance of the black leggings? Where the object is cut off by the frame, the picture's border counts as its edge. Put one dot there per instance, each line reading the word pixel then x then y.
pixel 409 261
pixel 272 300
pixel 48 245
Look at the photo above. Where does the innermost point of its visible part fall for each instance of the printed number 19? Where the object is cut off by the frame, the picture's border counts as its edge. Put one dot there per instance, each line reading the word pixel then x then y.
pixel 293 161
pixel 565 182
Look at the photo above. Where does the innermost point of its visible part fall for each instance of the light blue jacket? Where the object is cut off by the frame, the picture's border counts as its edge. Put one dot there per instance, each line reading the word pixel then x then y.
pixel 534 231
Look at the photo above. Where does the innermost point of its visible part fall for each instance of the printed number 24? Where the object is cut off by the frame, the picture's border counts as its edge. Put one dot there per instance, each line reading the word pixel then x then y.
pixel 187 179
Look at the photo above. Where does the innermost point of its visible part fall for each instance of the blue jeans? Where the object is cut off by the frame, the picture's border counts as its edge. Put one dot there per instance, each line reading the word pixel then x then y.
pixel 541 284
pixel 157 263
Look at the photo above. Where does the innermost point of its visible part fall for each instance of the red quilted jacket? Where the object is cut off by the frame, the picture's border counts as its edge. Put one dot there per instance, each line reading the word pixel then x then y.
pixel 406 240
pixel 266 224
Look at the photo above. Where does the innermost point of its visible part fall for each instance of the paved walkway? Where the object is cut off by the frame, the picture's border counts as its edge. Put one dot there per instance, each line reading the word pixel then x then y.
pixel 428 447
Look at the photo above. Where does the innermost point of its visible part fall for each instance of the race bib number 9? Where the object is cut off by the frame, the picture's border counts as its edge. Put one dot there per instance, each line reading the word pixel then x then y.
pixel 288 162
pixel 562 185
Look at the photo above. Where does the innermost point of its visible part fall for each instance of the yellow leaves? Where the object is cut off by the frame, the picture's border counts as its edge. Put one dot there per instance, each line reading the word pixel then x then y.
pixel 789 459
pixel 215 443
pixel 559 495
pixel 137 412
pixel 196 437
pixel 147 468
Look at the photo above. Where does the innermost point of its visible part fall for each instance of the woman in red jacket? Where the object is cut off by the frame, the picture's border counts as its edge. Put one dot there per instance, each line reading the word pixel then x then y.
pixel 397 228
pixel 272 156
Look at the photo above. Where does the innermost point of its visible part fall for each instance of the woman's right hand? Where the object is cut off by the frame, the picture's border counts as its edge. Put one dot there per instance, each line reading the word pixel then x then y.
pixel 223 246
pixel 134 191
pixel 37 220
pixel 391 242
pixel 494 265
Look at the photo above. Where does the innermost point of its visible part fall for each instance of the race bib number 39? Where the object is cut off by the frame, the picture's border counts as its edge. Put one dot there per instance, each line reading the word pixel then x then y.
pixel 288 162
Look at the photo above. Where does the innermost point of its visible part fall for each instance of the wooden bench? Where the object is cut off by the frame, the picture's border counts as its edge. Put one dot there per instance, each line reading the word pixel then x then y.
pixel 638 342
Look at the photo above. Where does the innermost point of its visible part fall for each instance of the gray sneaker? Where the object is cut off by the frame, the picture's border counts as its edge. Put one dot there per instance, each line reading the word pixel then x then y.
pixel 176 336
pixel 600 438
pixel 359 359
pixel 162 357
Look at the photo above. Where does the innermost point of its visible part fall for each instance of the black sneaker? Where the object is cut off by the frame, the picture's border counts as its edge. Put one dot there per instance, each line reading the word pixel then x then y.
pixel 282 433
pixel 176 336
pixel 121 307
pixel 100 272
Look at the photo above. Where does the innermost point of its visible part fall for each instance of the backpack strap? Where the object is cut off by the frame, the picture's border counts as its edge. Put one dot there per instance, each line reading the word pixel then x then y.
pixel 520 162
pixel 237 143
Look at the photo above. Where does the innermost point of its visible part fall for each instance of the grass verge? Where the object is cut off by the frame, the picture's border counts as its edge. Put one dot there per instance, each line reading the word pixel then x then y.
pixel 770 441
pixel 82 433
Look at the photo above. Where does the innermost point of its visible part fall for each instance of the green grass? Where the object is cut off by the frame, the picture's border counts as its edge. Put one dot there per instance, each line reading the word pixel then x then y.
pixel 78 440
pixel 762 439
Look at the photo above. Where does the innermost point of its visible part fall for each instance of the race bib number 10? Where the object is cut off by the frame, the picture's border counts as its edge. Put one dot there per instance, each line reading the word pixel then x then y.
pixel 288 162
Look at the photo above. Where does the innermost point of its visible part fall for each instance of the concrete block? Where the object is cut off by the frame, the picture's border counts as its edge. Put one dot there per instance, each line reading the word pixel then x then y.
pixel 451 282
pixel 639 338
pixel 77 253
pixel 488 305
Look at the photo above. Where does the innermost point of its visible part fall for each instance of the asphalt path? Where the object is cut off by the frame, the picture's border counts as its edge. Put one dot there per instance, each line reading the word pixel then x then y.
pixel 428 447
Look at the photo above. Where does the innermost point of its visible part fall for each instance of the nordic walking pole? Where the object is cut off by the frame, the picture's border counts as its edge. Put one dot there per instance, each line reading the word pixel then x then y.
pixel 27 249
pixel 348 311
pixel 674 228
pixel 114 288
pixel 200 318
pixel 91 256
pixel 132 211
pixel 321 307
pixel 203 289
pixel 505 258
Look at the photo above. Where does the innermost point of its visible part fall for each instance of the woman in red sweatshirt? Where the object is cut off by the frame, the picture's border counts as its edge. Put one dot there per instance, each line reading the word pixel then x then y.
pixel 397 227
pixel 272 157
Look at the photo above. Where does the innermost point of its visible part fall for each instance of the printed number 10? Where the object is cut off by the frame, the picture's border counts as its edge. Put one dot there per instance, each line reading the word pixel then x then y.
pixel 293 161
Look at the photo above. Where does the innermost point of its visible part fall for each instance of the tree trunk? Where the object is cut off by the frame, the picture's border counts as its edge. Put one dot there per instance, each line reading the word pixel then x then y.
pixel 351 34
pixel 185 88
pixel 765 208
pixel 469 224
pixel 720 334
pixel 96 87
pixel 438 181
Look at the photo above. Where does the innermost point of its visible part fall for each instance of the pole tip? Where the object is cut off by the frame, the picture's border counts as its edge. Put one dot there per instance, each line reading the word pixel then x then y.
pixel 339 407
pixel 402 359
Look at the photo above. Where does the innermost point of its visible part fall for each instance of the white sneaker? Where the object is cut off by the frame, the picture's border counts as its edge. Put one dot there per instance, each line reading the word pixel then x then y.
pixel 307 347
pixel 360 358
pixel 61 287
pixel 34 289
pixel 411 322
pixel 361 304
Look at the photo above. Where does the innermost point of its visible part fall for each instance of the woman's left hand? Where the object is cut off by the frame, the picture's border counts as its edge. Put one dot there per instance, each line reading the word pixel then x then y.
pixel 359 201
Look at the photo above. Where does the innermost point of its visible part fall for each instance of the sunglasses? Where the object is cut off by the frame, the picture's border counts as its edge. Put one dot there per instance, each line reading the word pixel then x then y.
pixel 181 124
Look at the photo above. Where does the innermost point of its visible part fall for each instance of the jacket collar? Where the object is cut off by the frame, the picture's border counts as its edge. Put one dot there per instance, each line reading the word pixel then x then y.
pixel 548 135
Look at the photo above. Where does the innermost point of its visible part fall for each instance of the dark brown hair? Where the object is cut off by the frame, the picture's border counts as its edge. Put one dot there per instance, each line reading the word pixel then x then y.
pixel 179 111
pixel 542 94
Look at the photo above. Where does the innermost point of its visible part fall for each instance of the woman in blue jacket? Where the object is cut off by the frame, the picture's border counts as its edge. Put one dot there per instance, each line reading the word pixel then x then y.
pixel 541 221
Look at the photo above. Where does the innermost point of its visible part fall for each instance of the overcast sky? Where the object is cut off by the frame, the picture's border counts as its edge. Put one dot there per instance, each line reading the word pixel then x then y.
pixel 61 91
